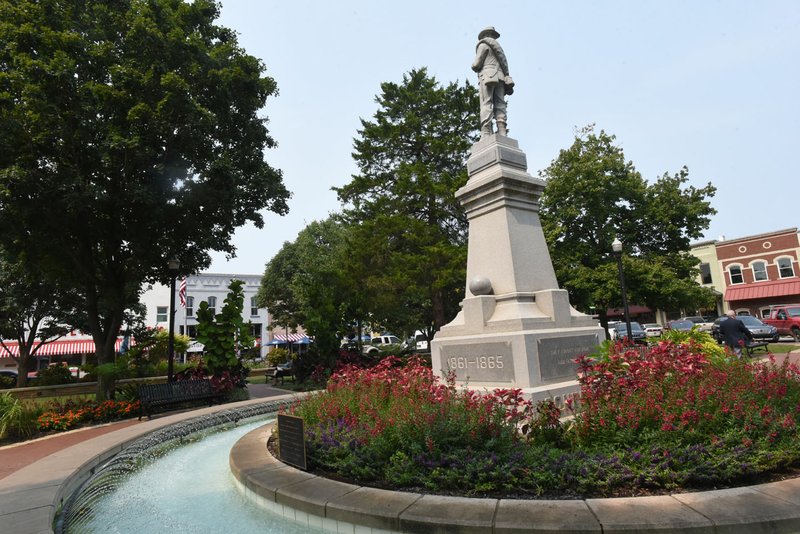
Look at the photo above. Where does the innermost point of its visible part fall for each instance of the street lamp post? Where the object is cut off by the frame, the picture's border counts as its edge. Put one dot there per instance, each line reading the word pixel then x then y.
pixel 173 265
pixel 616 246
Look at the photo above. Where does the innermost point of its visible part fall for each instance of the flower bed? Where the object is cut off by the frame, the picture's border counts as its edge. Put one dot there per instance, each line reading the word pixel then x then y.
pixel 672 418
pixel 68 415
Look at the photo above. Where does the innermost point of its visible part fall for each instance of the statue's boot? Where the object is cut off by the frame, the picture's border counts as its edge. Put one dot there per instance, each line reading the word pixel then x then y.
pixel 501 129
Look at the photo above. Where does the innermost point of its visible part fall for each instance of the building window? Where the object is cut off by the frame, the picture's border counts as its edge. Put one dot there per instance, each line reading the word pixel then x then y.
pixel 765 313
pixel 705 273
pixel 212 305
pixel 760 271
pixel 253 307
pixel 161 314
pixel 785 268
pixel 189 306
pixel 736 274
pixel 255 330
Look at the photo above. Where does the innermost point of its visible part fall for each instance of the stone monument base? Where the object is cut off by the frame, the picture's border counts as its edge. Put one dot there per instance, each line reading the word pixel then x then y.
pixel 540 361
pixel 516 328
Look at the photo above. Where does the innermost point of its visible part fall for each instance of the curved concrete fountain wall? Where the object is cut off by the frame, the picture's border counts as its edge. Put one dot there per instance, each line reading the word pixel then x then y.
pixel 339 507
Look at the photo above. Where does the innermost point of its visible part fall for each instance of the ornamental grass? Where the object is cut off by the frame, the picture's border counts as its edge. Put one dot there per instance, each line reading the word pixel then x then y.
pixel 667 419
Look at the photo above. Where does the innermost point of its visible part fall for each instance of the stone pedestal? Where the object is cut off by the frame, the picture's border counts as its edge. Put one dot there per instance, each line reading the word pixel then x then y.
pixel 516 328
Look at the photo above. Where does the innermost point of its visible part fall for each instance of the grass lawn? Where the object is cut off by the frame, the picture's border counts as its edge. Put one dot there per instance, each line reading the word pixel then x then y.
pixel 782 348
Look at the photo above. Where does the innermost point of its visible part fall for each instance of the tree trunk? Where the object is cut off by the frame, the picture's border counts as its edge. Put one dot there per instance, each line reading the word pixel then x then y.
pixel 105 387
pixel 25 363
pixel 437 308
pixel 23 367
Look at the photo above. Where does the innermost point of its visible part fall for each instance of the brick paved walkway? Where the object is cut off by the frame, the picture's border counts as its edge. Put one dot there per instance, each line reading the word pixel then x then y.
pixel 18 455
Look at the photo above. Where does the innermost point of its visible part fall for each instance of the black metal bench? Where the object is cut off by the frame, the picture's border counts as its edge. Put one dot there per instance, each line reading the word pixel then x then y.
pixel 750 347
pixel 283 370
pixel 156 395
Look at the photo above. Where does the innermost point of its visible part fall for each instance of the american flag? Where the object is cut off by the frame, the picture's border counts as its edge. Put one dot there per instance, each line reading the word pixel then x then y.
pixel 182 292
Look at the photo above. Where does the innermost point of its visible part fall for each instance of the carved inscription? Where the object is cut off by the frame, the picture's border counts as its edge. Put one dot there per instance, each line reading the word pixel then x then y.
pixel 557 355
pixel 479 362
pixel 292 440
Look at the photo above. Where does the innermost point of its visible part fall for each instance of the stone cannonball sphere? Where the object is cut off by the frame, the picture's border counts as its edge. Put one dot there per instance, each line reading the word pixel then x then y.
pixel 480 285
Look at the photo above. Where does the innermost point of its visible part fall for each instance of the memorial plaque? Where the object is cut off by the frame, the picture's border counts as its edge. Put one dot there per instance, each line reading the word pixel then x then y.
pixel 557 354
pixel 479 362
pixel 292 440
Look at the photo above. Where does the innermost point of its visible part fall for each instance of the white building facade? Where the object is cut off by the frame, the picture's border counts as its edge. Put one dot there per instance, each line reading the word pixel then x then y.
pixel 213 289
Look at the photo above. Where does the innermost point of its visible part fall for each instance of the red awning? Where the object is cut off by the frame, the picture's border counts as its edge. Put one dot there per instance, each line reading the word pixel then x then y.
pixel 763 290
pixel 57 348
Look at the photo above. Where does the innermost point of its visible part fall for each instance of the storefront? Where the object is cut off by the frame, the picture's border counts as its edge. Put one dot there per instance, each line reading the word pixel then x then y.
pixel 72 351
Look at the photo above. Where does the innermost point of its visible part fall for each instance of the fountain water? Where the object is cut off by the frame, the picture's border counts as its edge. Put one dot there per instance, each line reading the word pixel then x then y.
pixel 176 479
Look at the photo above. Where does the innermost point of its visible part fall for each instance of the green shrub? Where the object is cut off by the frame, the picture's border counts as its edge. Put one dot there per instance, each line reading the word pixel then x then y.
pixel 277 355
pixel 54 375
pixel 7 382
pixel 17 419
pixel 127 392
pixel 237 394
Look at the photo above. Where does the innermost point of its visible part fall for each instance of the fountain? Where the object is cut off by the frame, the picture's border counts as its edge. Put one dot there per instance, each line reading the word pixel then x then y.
pixel 175 479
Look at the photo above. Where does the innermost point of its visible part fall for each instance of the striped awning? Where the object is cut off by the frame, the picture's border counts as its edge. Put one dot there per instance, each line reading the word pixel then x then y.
pixel 57 348
pixel 292 337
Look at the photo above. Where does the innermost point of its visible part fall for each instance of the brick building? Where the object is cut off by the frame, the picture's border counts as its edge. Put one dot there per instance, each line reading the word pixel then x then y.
pixel 758 271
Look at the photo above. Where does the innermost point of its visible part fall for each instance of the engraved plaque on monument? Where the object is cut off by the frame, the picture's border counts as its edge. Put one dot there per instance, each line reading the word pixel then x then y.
pixel 557 355
pixel 480 362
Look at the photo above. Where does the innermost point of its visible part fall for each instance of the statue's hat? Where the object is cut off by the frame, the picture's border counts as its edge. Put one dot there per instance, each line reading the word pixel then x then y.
pixel 489 31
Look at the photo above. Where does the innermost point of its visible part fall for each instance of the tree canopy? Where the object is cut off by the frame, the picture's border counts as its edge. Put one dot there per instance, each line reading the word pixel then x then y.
pixel 131 134
pixel 593 196
pixel 307 283
pixel 33 312
pixel 409 232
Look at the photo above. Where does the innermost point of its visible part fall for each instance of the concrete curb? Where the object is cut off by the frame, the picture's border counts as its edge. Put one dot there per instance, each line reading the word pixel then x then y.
pixel 339 507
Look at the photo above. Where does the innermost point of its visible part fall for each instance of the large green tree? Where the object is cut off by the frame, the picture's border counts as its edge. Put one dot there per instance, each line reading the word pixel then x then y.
pixel 131 134
pixel 593 196
pixel 309 283
pixel 410 232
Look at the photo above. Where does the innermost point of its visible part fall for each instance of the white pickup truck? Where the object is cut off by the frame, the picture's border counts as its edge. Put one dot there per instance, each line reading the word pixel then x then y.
pixel 378 341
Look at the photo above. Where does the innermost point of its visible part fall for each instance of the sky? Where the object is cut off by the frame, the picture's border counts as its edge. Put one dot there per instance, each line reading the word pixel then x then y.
pixel 710 85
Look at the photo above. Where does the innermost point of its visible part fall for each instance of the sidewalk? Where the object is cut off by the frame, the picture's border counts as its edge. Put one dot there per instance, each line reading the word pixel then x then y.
pixel 18 455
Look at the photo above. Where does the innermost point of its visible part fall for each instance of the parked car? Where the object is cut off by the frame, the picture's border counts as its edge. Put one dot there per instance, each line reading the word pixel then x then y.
pixel 653 329
pixel 760 331
pixel 682 325
pixel 703 324
pixel 620 331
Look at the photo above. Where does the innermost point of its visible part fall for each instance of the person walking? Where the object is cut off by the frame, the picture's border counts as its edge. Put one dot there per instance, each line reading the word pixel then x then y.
pixel 734 333
pixel 494 81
